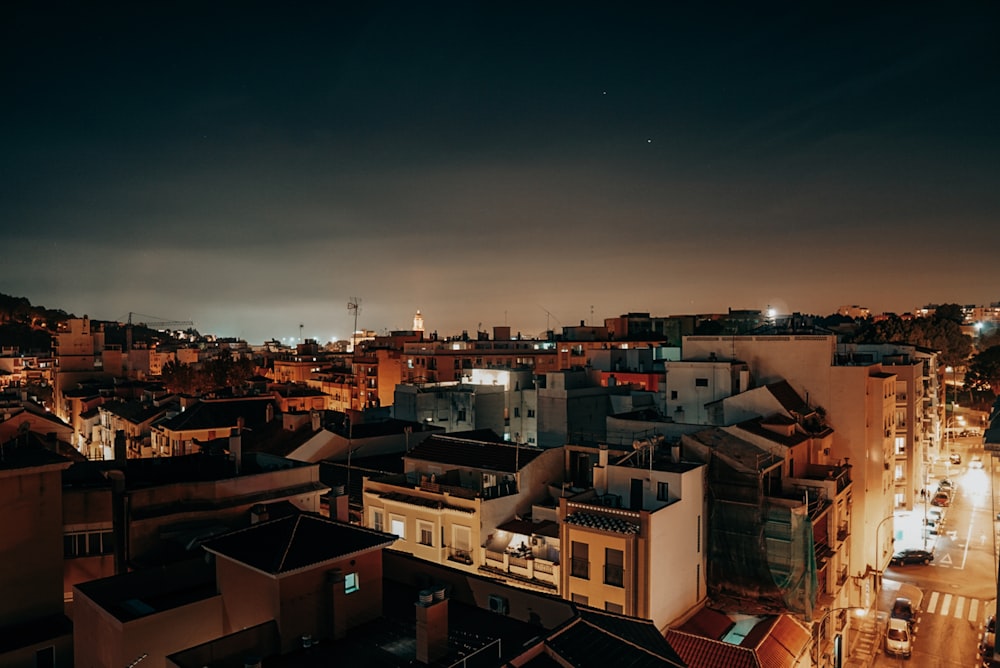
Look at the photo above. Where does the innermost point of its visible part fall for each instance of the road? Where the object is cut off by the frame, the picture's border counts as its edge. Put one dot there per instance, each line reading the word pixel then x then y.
pixel 958 590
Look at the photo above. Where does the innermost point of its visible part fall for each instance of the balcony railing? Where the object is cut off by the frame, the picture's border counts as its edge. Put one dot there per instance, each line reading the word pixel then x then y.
pixel 529 568
pixel 614 575
pixel 580 568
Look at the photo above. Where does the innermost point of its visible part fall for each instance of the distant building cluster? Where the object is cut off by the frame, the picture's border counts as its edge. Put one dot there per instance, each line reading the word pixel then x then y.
pixel 622 492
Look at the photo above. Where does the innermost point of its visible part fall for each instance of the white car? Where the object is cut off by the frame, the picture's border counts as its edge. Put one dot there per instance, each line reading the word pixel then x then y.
pixel 976 462
pixel 897 638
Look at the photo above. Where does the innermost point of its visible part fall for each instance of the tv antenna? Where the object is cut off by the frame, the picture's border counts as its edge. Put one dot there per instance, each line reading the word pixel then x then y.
pixel 354 306
pixel 548 314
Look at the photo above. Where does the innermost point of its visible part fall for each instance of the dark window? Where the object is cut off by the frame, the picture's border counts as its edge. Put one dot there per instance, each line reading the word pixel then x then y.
pixel 614 561
pixel 107 542
pixel 461 415
pixel 673 394
pixel 531 413
pixel 662 491
pixel 45 658
pixel 581 599
pixel 701 382
pixel 580 562
pixel 613 607
pixel 517 412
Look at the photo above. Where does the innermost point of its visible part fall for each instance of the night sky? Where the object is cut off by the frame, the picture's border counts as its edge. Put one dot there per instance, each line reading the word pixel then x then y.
pixel 251 167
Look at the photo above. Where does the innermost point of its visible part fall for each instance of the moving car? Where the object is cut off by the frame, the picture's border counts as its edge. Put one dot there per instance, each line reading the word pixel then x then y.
pixel 897 638
pixel 904 557
pixel 955 458
pixel 941 499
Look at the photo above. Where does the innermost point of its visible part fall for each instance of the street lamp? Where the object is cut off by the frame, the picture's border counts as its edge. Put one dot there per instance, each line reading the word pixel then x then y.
pixel 818 635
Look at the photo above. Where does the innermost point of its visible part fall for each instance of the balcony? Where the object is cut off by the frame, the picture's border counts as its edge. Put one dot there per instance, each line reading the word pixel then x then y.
pixel 525 567
pixel 463 557
pixel 843 531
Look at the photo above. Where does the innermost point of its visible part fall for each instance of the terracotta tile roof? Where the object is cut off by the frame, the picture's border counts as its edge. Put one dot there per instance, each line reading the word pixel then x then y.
pixel 295 542
pixel 602 522
pixel 700 652
pixel 778 641
pixel 709 623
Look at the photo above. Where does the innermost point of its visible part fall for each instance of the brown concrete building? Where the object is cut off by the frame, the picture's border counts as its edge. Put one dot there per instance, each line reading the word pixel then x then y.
pixel 34 631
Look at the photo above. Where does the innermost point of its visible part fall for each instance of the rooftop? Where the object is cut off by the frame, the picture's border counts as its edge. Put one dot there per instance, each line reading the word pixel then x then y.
pixel 295 542
pixel 475 453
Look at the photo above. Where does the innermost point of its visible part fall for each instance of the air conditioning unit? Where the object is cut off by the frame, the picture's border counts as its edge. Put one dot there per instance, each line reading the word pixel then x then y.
pixel 499 605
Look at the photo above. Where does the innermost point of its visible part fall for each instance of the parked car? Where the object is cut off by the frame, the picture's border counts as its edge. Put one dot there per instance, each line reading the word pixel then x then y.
pixel 941 499
pixel 955 458
pixel 976 462
pixel 904 557
pixel 897 638
pixel 903 609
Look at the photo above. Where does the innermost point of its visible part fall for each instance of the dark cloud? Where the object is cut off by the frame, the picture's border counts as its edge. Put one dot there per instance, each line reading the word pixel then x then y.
pixel 251 167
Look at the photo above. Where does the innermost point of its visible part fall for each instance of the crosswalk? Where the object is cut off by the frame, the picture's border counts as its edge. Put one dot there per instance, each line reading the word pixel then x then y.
pixel 958 607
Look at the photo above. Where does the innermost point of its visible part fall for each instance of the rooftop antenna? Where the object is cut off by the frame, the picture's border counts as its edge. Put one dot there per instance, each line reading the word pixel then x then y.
pixel 300 332
pixel 354 306
pixel 548 314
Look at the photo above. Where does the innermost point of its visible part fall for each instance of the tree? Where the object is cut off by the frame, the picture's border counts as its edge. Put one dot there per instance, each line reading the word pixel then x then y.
pixel 983 372
pixel 181 378
pixel 951 312
pixel 941 334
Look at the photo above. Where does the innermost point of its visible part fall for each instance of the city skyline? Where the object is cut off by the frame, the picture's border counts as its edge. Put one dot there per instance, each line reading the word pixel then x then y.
pixel 252 170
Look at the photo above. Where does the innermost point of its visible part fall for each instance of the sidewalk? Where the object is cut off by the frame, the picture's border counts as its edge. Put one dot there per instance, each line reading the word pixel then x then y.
pixel 867 642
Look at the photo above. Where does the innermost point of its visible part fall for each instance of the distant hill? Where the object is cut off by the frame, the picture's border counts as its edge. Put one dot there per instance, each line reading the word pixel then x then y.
pixel 27 327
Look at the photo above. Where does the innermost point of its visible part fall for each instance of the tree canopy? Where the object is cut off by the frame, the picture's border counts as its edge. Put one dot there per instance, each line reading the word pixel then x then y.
pixel 983 372
pixel 941 334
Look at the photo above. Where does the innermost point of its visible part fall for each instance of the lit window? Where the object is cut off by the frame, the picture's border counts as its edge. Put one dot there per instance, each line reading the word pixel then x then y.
pixel 351 583
pixel 397 525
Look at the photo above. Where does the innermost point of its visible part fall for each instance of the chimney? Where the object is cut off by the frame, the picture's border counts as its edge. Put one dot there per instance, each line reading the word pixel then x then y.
pixel 259 513
pixel 339 509
pixel 236 446
pixel 601 470
pixel 316 424
pixel 432 625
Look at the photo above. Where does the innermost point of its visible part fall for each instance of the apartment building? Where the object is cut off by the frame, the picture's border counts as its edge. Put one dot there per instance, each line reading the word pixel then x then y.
pixel 858 400
pixel 634 542
pixel 449 360
pixel 134 420
pixel 454 495
pixel 35 630
pixel 453 406
pixel 206 420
